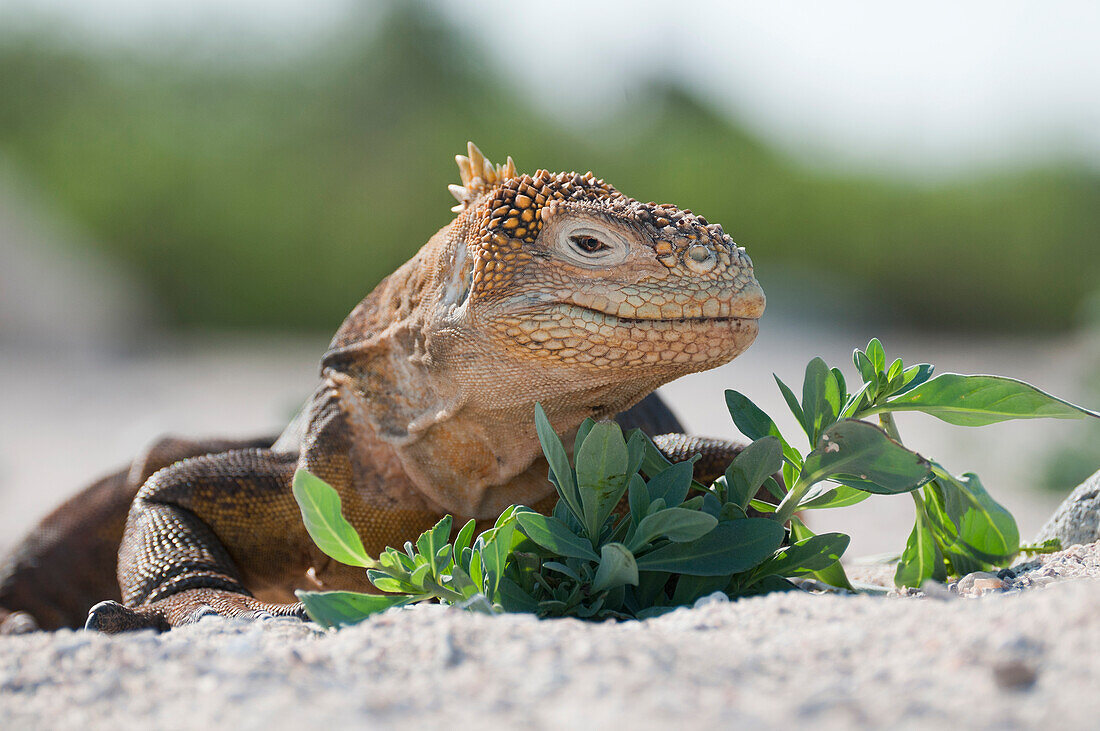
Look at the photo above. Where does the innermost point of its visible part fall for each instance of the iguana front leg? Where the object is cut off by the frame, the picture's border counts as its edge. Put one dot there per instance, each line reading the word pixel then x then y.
pixel 203 537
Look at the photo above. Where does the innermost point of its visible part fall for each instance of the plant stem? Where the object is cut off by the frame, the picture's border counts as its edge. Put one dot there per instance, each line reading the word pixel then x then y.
pixel 886 421
pixel 789 504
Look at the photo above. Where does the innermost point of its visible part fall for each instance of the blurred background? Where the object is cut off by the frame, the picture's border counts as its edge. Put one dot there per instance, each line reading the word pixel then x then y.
pixel 193 196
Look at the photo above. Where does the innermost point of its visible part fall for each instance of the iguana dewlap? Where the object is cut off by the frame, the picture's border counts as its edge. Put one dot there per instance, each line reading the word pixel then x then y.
pixel 551 288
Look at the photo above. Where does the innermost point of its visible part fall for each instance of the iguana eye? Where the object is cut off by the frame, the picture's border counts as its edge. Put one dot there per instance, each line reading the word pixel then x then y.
pixel 585 243
pixel 588 244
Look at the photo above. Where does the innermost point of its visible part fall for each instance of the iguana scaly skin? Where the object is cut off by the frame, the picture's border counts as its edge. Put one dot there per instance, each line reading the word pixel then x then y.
pixel 551 288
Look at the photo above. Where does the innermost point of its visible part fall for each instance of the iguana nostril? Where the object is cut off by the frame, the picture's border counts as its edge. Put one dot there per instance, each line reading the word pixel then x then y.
pixel 700 258
pixel 699 253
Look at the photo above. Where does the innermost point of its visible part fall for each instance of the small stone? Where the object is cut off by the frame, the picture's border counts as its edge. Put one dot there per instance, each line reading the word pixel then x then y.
pixel 1014 674
pixel 936 590
pixel 977 583
pixel 718 597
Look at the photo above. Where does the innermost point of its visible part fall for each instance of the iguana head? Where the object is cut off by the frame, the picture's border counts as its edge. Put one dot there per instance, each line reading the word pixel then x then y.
pixel 553 288
pixel 569 278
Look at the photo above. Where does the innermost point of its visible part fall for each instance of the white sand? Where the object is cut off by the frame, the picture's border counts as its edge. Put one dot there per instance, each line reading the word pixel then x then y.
pixel 1021 659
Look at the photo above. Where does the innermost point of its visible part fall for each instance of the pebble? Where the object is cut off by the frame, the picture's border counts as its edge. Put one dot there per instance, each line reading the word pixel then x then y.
pixel 978 583
pixel 717 597
pixel 1014 674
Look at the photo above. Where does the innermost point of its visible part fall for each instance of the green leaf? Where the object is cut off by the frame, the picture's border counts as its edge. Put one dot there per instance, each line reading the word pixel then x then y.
pixel 855 401
pixel 792 402
pixel 919 557
pixel 601 474
pixel 983 525
pixel 617 567
pixel 690 588
pixel 559 461
pixel 731 511
pixel 562 569
pixel 895 369
pixel 653 460
pixel 820 399
pixel 876 355
pixel 805 556
pixel 980 400
pixel 914 376
pixel 749 469
pixel 432 541
pixel 755 424
pixel 712 505
pixel 676 524
pixel 773 488
pixel 766 585
pixel 638 498
pixel 842 387
pixel 477 575
pixel 651 612
pixel 554 535
pixel 824 496
pixel 342 608
pixel 731 547
pixel 464 539
pixel 672 484
pixel 565 514
pixel 651 587
pixel 582 433
pixel 758 505
pixel 635 450
pixel 505 517
pixel 494 557
pixel 832 575
pixel 333 534
pixel 416 578
pixel 865 367
pixel 861 455
pixel 514 599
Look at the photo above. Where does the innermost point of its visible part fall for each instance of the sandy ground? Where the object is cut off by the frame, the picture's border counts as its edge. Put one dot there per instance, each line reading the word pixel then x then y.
pixel 1015 659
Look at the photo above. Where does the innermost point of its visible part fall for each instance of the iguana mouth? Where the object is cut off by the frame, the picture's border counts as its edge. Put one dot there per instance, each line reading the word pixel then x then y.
pixel 603 317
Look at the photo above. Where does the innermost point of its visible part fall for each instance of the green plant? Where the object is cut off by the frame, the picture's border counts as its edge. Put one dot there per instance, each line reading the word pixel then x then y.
pixel 673 540
pixel 958 528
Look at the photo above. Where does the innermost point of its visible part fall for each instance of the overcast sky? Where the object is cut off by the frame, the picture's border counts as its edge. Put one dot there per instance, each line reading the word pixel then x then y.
pixel 931 87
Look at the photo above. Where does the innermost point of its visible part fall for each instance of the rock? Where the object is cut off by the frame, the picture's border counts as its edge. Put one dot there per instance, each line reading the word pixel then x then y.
pixel 978 583
pixel 718 597
pixel 1077 519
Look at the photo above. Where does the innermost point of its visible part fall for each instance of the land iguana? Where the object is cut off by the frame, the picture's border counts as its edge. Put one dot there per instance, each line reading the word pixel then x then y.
pixel 551 288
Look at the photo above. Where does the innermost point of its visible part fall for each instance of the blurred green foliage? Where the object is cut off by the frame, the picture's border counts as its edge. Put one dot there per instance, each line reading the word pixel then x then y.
pixel 277 195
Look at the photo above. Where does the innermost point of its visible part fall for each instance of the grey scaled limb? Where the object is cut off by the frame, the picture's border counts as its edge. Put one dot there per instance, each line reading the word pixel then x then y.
pixel 202 536
pixel 716 454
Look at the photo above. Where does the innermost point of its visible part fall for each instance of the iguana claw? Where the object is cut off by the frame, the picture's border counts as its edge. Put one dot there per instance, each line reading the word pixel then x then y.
pixel 111 617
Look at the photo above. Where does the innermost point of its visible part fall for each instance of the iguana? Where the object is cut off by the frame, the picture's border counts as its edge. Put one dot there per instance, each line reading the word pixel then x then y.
pixel 551 288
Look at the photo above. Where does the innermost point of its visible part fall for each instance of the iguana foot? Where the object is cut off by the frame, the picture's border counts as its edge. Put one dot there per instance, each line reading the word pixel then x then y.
pixel 17 623
pixel 111 618
pixel 186 608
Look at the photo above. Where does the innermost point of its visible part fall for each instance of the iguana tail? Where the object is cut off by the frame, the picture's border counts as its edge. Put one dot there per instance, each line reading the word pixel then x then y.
pixel 69 561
